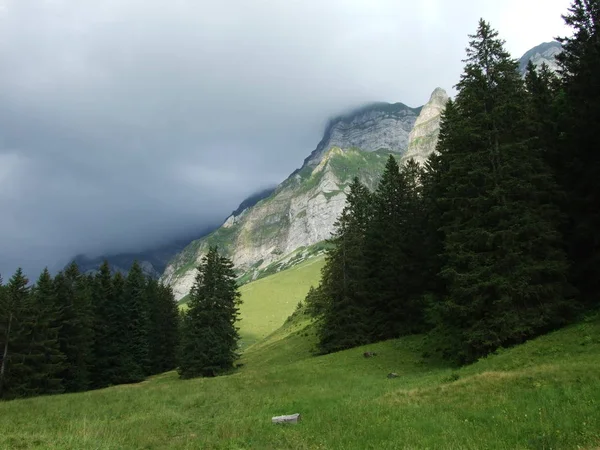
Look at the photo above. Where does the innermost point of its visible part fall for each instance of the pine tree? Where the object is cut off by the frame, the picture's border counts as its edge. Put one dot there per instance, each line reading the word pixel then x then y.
pixel 163 337
pixel 108 329
pixel 136 311
pixel 73 296
pixel 580 138
pixel 14 374
pixel 345 315
pixel 44 359
pixel 209 336
pixel 393 273
pixel 503 264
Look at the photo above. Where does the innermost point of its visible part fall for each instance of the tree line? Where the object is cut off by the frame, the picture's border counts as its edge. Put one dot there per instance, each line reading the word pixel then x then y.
pixel 75 332
pixel 495 239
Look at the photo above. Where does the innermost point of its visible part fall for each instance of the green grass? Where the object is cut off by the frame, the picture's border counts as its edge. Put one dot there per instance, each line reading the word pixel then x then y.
pixel 544 394
pixel 269 301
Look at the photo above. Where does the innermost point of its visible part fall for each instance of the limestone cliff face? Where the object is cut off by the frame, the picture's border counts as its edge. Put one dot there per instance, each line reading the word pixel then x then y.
pixel 424 135
pixel 542 54
pixel 300 213
pixel 302 210
pixel 373 127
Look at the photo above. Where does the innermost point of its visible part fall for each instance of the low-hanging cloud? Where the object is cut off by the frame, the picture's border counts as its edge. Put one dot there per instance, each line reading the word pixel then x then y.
pixel 126 123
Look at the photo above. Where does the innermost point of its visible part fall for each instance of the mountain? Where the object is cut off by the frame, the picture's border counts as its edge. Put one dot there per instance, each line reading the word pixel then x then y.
pixel 291 224
pixel 371 127
pixel 153 261
pixel 543 53
pixel 424 135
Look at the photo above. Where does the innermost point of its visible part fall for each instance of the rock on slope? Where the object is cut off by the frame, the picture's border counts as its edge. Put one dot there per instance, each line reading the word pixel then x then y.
pixel 424 135
pixel 543 53
pixel 303 209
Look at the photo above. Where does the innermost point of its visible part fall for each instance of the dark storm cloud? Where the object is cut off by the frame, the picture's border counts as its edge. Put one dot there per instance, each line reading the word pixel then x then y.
pixel 125 123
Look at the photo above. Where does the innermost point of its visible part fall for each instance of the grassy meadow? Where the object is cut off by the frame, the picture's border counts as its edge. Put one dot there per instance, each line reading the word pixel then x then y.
pixel 270 300
pixel 544 394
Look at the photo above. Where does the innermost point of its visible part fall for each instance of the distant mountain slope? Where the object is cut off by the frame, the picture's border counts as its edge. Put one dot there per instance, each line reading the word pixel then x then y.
pixel 371 127
pixel 282 229
pixel 153 261
pixel 300 213
pixel 543 53
pixel 424 135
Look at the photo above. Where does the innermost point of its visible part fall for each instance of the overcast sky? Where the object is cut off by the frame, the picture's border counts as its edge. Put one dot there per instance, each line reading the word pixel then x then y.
pixel 125 123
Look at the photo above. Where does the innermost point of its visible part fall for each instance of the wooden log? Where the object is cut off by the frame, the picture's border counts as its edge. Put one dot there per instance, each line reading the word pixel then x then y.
pixel 293 418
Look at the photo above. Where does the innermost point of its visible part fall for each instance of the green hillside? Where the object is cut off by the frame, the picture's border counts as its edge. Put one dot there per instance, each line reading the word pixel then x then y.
pixel 542 395
pixel 269 301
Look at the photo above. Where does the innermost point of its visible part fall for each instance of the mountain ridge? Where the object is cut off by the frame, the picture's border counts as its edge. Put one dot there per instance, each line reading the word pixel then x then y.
pixel 302 210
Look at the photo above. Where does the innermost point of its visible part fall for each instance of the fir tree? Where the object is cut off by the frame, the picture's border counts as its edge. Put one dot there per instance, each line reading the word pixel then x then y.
pixel 579 68
pixel 14 374
pixel 345 315
pixel 163 332
pixel 136 311
pixel 44 359
pixel 209 337
pixel 392 255
pixel 73 296
pixel 107 328
pixel 503 264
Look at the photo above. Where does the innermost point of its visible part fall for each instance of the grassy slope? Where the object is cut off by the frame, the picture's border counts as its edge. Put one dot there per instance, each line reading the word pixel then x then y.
pixel 544 394
pixel 269 301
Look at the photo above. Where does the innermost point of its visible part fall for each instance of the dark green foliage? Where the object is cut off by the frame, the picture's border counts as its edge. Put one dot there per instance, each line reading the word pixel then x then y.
pixel 315 301
pixel 393 255
pixel 163 336
pixel 29 330
pixel 14 309
pixel 209 337
pixel 503 265
pixel 135 326
pixel 44 359
pixel 73 296
pixel 77 332
pixel 107 332
pixel 580 140
pixel 340 295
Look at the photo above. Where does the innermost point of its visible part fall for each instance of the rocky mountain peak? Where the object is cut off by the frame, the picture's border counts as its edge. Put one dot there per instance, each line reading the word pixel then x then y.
pixel 542 54
pixel 372 127
pixel 424 135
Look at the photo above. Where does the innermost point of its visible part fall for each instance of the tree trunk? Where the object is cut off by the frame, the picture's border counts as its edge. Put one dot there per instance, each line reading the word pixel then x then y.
pixel 5 354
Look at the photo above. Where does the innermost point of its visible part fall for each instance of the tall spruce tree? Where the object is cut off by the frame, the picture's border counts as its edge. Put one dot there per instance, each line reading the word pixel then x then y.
pixel 73 296
pixel 209 338
pixel 14 374
pixel 345 322
pixel 392 255
pixel 580 137
pixel 163 337
pixel 136 317
pixel 44 359
pixel 108 329
pixel 503 265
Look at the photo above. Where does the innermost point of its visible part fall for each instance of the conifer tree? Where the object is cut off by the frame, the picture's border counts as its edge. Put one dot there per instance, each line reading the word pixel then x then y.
pixel 163 333
pixel 73 296
pixel 14 374
pixel 503 265
pixel 392 254
pixel 44 359
pixel 136 311
pixel 345 322
pixel 580 137
pixel 209 337
pixel 107 328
